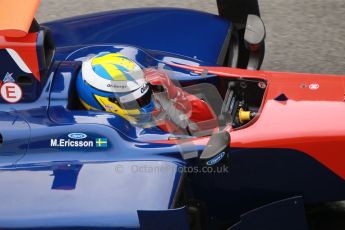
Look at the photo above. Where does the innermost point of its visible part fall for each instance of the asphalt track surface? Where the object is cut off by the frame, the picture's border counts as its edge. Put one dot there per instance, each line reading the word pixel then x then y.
pixel 302 35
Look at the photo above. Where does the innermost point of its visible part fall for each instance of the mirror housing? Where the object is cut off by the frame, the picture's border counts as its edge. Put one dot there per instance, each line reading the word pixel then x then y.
pixel 254 39
pixel 255 33
pixel 216 150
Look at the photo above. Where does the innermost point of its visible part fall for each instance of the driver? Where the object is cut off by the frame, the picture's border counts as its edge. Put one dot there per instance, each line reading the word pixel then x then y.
pixel 113 83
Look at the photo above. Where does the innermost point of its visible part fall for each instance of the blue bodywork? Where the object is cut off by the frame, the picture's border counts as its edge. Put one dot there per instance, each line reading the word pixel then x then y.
pixel 61 175
pixel 189 33
pixel 113 185
pixel 129 177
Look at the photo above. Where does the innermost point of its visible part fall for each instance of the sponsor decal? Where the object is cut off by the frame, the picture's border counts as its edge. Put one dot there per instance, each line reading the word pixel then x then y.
pixel 216 159
pixel 79 140
pixel 101 142
pixel 262 85
pixel 109 107
pixel 144 88
pixel 8 78
pixel 77 136
pixel 314 86
pixel 11 92
pixel 117 86
pixel 71 143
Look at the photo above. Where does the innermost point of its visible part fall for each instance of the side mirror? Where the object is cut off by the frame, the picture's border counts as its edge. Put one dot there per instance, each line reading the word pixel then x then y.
pixel 254 39
pixel 216 150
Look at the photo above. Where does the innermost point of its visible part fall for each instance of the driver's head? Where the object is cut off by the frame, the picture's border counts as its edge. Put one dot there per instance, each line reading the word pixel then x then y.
pixel 111 82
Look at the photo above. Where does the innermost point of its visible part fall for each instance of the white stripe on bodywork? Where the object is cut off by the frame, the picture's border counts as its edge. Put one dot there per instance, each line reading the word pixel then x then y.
pixel 18 60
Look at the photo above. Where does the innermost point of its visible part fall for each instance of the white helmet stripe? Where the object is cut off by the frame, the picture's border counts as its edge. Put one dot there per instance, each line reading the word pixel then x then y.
pixel 108 85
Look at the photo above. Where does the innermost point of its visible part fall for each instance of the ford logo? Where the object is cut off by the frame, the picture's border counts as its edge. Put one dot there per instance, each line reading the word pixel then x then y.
pixel 216 159
pixel 77 136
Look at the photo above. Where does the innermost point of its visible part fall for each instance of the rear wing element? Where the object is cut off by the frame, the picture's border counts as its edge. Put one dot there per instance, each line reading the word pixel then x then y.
pixel 16 17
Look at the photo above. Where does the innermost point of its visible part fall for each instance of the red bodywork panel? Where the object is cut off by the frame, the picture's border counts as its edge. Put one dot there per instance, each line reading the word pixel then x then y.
pixel 16 19
pixel 311 120
pixel 26 48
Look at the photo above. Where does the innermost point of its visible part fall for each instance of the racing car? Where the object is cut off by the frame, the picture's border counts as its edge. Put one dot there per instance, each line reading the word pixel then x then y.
pixel 269 151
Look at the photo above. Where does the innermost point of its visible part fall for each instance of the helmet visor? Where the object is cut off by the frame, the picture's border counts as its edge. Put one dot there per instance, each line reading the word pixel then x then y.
pixel 135 104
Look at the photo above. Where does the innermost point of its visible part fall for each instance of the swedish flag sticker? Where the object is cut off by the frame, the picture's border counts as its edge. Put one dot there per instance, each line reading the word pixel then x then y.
pixel 101 142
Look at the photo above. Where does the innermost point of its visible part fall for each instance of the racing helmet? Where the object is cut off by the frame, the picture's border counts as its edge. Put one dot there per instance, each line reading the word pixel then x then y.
pixel 113 83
